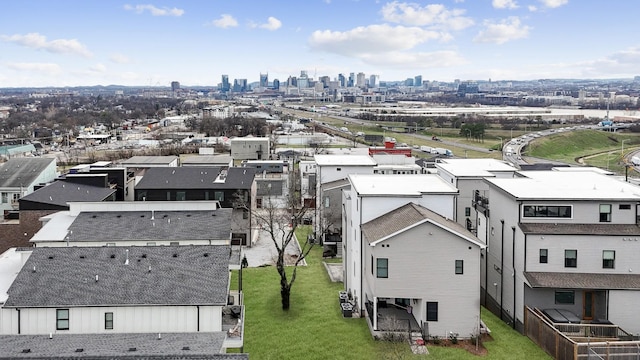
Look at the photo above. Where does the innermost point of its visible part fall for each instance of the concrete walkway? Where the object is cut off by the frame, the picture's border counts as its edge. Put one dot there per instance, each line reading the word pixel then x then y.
pixel 263 251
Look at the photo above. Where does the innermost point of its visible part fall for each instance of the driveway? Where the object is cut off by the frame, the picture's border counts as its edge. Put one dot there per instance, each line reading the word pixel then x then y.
pixel 263 251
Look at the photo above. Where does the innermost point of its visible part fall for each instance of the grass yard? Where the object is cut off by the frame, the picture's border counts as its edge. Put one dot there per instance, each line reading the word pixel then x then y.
pixel 314 327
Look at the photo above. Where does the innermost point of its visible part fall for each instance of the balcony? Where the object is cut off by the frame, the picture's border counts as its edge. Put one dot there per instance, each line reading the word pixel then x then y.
pixel 481 201
pixel 233 321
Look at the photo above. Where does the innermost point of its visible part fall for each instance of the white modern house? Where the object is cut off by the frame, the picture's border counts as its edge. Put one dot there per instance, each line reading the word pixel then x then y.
pixel 19 176
pixel 250 148
pixel 371 196
pixel 422 268
pixel 565 241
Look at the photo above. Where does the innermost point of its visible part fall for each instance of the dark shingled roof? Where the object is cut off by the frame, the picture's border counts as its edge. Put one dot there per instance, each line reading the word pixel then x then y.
pixel 180 275
pixel 61 192
pixel 151 160
pixel 580 229
pixel 405 216
pixel 22 171
pixel 165 225
pixel 564 280
pixel 194 345
pixel 196 177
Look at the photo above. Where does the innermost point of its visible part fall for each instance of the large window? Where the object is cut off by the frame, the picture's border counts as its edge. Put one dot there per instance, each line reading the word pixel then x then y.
pixel 551 211
pixel 605 212
pixel 459 267
pixel 218 195
pixel 608 259
pixel 62 319
pixel 432 311
pixel 565 297
pixel 382 268
pixel 570 258
pixel 108 321
pixel 544 256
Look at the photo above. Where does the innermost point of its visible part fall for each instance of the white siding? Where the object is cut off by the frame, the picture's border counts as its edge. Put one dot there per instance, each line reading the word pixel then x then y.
pixel 132 319
pixel 8 321
pixel 623 309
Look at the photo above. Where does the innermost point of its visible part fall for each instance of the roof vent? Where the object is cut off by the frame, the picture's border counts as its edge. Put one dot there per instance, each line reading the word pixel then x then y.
pixel 149 268
pixel 142 215
pixel 113 256
pixel 26 351
pixel 94 216
pixel 132 349
pixel 126 262
pixel 175 255
pixel 34 268
pixel 50 335
pixel 82 256
pixel 144 256
pixel 159 336
pixel 185 348
pixel 118 216
pixel 79 350
pixel 96 278
pixel 206 255
pixel 50 257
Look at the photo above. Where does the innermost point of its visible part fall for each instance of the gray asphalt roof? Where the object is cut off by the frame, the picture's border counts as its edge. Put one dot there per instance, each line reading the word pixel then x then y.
pixel 116 346
pixel 580 229
pixel 139 225
pixel 22 171
pixel 61 192
pixel 196 177
pixel 565 280
pixel 155 160
pixel 180 275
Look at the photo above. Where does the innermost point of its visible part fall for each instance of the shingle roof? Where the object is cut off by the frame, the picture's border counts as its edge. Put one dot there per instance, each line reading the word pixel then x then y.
pixel 406 216
pixel 22 171
pixel 565 280
pixel 196 177
pixel 139 225
pixel 61 192
pixel 155 160
pixel 580 229
pixel 116 346
pixel 179 275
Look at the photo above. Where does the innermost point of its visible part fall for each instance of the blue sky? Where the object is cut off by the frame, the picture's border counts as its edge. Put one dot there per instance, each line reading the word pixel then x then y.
pixel 102 42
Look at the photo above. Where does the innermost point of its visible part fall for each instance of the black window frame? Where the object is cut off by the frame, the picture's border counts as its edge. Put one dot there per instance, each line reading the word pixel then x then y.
pixel 380 266
pixel 467 211
pixel 605 216
pixel 459 267
pixel 570 262
pixel 108 321
pixel 608 263
pixel 547 211
pixel 61 319
pixel 544 256
pixel 432 311
pixel 565 297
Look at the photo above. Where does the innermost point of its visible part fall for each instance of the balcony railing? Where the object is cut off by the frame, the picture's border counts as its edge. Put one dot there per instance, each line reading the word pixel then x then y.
pixel 233 321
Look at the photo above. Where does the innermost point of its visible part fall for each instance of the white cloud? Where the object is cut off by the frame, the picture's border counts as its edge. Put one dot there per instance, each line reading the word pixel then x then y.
pixel 504 4
pixel 502 32
pixel 372 39
pixel 225 21
pixel 554 3
pixel 434 15
pixel 119 59
pixel 271 24
pixel 532 8
pixel 98 68
pixel 39 42
pixel 43 68
pixel 155 11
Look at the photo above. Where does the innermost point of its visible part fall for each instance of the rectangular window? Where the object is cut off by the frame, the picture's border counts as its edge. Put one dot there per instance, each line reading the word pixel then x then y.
pixel 546 211
pixel 544 256
pixel 151 244
pixel 181 196
pixel 459 267
pixel 565 297
pixel 624 206
pixel 218 195
pixel 108 321
pixel 432 311
pixel 62 319
pixel 371 264
pixel 570 258
pixel 382 268
pixel 608 259
pixel 467 211
pixel 605 212
pixel 5 198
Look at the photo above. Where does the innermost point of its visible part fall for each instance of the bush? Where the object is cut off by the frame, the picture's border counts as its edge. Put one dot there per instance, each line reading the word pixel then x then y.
pixel 453 337
pixel 435 340
pixel 393 337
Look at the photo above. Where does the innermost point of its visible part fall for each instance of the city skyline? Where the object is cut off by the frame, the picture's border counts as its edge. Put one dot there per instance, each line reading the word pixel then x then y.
pixel 78 43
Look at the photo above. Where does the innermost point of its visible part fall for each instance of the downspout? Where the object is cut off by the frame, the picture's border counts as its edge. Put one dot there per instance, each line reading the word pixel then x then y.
pixel 486 264
pixel 18 310
pixel 361 255
pixel 501 267
pixel 513 266
pixel 198 325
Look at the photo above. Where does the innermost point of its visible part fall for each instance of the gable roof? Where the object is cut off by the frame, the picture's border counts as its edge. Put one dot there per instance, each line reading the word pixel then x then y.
pixel 408 216
pixel 19 172
pixel 580 229
pixel 157 225
pixel 61 192
pixel 153 275
pixel 194 345
pixel 196 177
pixel 149 160
pixel 566 280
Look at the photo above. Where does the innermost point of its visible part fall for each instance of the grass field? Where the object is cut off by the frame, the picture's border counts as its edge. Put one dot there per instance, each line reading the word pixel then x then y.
pixel 314 328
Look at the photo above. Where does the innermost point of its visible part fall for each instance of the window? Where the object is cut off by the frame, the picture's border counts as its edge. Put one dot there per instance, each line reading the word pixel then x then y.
pixel 62 319
pixel 404 302
pixel 624 206
pixel 570 258
pixel 432 311
pixel 565 297
pixel 605 212
pixel 467 211
pixel 326 201
pixel 371 264
pixel 547 211
pixel 218 195
pixel 151 243
pixel 108 321
pixel 459 267
pixel 5 198
pixel 608 259
pixel 181 195
pixel 544 256
pixel 382 268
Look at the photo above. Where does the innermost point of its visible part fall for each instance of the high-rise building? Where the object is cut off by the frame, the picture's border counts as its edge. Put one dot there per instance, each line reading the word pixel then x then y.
pixel 225 83
pixel 239 85
pixel 303 80
pixel 264 80
pixel 175 86
pixel 417 81
pixel 352 80
pixel 276 84
pixel 342 80
pixel 360 80
pixel 325 81
pixel 374 81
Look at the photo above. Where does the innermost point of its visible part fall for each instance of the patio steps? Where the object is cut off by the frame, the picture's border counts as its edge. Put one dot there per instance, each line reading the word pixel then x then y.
pixel 418 345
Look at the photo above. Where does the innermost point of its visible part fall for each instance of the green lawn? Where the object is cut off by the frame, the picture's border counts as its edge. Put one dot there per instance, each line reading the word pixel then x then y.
pixel 314 328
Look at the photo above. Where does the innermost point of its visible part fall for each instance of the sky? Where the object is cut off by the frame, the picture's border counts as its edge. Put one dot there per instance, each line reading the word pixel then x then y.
pixel 67 43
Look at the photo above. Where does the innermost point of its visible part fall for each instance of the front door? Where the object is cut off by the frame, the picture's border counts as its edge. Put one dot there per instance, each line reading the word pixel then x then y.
pixel 587 305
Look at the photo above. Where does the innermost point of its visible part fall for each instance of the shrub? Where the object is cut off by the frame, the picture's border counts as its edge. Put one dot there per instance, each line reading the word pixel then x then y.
pixel 435 339
pixel 453 337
